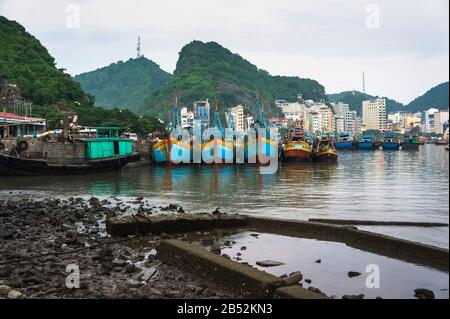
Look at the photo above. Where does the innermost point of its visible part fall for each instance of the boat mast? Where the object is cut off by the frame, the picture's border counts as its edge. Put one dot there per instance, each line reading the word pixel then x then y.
pixel 217 123
pixel 258 115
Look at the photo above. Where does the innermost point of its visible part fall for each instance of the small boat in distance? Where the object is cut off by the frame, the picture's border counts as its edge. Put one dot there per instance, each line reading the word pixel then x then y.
pixel 297 147
pixel 367 142
pixel 390 142
pixel 410 142
pixel 444 139
pixel 345 142
pixel 324 149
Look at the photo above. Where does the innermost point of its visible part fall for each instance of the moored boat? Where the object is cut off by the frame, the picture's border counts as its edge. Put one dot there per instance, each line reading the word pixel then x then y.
pixel 171 148
pixel 217 149
pixel 410 142
pixel 345 142
pixel 324 149
pixel 366 142
pixel 390 142
pixel 71 155
pixel 297 147
pixel 263 146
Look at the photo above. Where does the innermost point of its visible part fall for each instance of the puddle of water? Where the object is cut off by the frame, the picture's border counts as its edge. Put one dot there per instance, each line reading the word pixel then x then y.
pixel 398 279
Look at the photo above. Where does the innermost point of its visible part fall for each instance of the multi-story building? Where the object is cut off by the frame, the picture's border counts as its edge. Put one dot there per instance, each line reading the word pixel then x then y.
pixel 238 118
pixel 202 112
pixel 328 120
pixel 440 119
pixel 350 122
pixel 294 111
pixel 340 124
pixel 187 118
pixel 429 120
pixel 374 114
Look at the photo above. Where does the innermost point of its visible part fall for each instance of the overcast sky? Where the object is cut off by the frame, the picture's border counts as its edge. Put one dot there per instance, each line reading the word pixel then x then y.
pixel 402 45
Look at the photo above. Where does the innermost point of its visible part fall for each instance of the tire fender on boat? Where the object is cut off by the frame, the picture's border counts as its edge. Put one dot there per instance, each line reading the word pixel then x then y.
pixel 2 146
pixel 22 146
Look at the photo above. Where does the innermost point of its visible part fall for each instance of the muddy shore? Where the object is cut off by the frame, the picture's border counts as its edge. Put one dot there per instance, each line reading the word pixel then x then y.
pixel 41 238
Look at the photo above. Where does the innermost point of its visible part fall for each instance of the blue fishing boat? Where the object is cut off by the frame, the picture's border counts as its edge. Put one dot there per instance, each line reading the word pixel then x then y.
pixel 390 142
pixel 366 142
pixel 172 149
pixel 262 147
pixel 344 142
pixel 217 149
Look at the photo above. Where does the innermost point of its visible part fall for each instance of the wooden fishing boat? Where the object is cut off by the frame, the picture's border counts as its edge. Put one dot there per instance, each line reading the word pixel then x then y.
pixel 324 150
pixel 172 148
pixel 263 147
pixel 366 142
pixel 410 143
pixel 73 156
pixel 345 142
pixel 297 147
pixel 217 149
pixel 390 142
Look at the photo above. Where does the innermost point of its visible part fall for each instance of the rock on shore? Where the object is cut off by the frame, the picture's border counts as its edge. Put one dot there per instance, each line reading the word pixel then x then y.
pixel 72 232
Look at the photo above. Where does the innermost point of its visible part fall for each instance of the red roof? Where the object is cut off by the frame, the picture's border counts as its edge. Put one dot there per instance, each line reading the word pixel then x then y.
pixel 13 116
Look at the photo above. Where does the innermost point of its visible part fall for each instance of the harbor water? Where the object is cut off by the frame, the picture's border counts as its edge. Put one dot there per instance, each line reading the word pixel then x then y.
pixel 367 185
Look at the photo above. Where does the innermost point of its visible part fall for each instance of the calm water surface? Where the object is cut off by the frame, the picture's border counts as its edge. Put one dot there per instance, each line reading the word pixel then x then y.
pixel 378 185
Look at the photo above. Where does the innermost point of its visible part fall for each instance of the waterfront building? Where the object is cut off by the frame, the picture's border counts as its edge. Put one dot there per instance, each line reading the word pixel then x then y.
pixel 248 122
pixel 403 121
pixel 12 125
pixel 350 122
pixel 429 120
pixel 340 124
pixel 374 114
pixel 440 119
pixel 202 112
pixel 294 111
pixel 187 118
pixel 237 116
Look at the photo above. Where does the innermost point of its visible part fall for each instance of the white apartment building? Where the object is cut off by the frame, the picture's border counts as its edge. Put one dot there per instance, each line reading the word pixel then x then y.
pixel 187 118
pixel 374 114
pixel 238 118
pixel 429 120
pixel 440 118
pixel 340 124
pixel 350 122
pixel 294 111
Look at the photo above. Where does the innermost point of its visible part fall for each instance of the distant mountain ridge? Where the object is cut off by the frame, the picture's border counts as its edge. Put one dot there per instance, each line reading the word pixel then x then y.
pixel 208 70
pixel 355 98
pixel 124 84
pixel 436 97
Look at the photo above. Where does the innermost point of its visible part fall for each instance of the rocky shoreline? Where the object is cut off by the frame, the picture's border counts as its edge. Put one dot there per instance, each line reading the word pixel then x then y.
pixel 42 240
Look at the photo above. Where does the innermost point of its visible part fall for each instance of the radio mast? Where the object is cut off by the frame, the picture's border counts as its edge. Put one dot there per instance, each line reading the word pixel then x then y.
pixel 139 48
pixel 363 83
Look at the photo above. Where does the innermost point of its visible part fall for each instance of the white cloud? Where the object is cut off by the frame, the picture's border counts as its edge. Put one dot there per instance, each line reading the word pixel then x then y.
pixel 322 39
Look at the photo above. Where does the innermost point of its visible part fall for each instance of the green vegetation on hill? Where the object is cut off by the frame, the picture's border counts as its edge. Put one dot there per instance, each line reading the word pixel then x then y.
pixel 27 64
pixel 97 116
pixel 208 70
pixel 124 84
pixel 354 99
pixel 436 97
